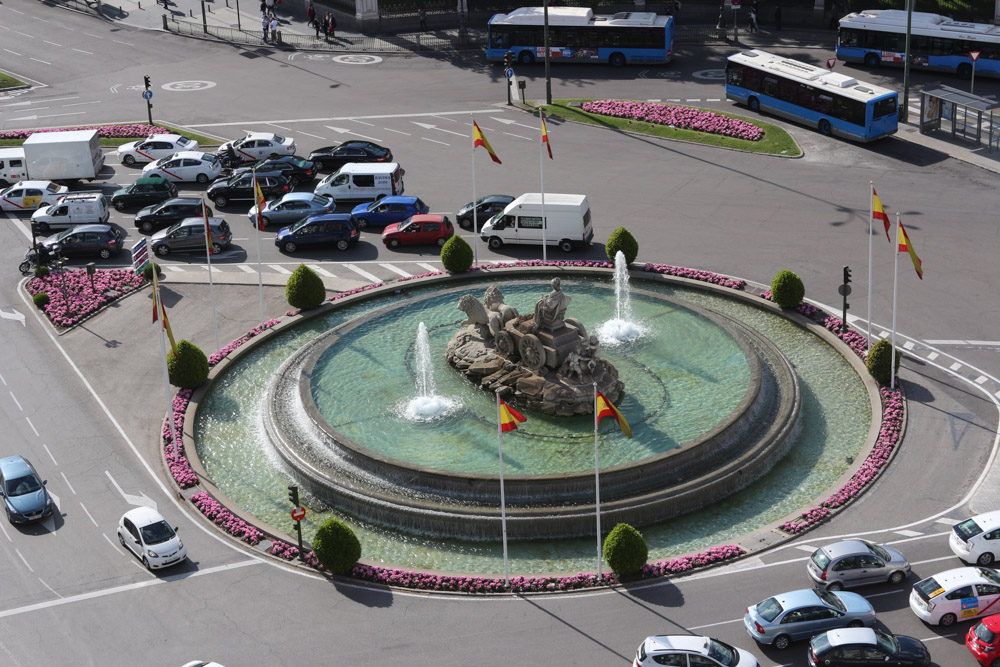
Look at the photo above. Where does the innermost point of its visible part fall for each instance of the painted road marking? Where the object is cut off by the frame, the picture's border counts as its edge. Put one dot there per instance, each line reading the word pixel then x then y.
pixel 66 479
pixel 389 129
pixel 50 454
pixel 362 272
pixel 85 511
pixel 321 271
pixel 955 366
pixel 376 117
pixel 883 334
pixel 427 266
pixel 171 267
pixel 946 521
pixel 805 547
pixel 246 269
pixel 908 533
pixel 932 356
pixel 435 141
pixel 908 345
pixel 280 269
pixel 981 379
pixel 396 270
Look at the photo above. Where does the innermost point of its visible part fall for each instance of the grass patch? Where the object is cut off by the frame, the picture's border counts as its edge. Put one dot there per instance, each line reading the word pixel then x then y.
pixel 7 81
pixel 775 142
pixel 118 141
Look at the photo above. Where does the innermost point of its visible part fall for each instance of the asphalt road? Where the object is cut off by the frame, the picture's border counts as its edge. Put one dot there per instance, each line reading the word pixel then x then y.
pixel 85 406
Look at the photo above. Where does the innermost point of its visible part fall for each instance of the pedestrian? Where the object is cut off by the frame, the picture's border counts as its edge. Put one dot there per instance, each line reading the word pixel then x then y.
pixel 422 13
pixel 677 10
pixel 265 24
pixel 333 27
pixel 777 17
pixel 274 28
pixel 318 24
pixel 311 14
pixel 263 7
pixel 752 21
pixel 326 27
pixel 270 6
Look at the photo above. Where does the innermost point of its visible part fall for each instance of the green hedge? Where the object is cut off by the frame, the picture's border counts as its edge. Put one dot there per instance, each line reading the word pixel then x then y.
pixel 305 289
pixel 625 549
pixel 879 361
pixel 456 255
pixel 41 299
pixel 787 289
pixel 336 547
pixel 189 367
pixel 622 239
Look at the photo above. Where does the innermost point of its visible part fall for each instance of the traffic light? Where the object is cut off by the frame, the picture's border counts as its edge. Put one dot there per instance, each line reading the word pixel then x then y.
pixel 293 495
pixel 508 59
pixel 847 274
pixel 145 79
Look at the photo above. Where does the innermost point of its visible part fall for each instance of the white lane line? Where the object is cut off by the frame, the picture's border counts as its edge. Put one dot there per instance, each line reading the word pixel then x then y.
pixel 439 117
pixel 16 11
pixel 280 269
pixel 39 60
pixel 327 120
pixel 3 380
pixel 353 134
pixel 16 402
pixel 907 533
pixel 56 115
pixel 52 43
pixel 51 590
pixel 32 426
pixel 983 342
pixel 955 366
pixel 121 42
pixel 362 272
pixel 712 625
pixel 92 35
pixel 82 51
pixel 122 589
pixel 805 547
pixel 14 52
pixel 435 141
pixel 713 99
pixel 932 356
pixel 946 521
pixel 695 99
pixel 314 136
pixel 427 266
pixel 997 394
pixel 66 479
pixel 25 34
pixel 363 122
pixel 80 104
pixel 945 342
pixel 511 134
pixel 5 533
pixel 23 559
pixel 280 127
pixel 113 545
pixel 321 271
pixel 92 521
pixel 246 269
pixel 396 269
pixel 54 462
pixel 389 129
pixel 657 99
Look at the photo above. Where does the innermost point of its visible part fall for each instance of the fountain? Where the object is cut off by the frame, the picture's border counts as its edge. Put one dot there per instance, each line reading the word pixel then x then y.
pixel 622 328
pixel 427 405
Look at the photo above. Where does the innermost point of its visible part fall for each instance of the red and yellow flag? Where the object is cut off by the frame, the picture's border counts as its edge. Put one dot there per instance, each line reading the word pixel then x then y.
pixel 208 229
pixel 509 417
pixel 159 310
pixel 480 140
pixel 878 213
pixel 258 198
pixel 545 136
pixel 905 245
pixel 606 409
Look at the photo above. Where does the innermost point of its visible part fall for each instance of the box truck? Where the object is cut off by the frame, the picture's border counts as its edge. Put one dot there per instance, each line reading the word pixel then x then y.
pixel 566 222
pixel 69 155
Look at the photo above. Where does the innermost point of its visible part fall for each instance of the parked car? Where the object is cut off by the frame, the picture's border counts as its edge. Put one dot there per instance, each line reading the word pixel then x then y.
pixel 331 229
pixel 335 157
pixel 258 146
pixel 292 167
pixel 185 166
pixel 162 215
pixel 293 207
pixel 701 651
pixel 977 540
pixel 240 187
pixel 983 641
pixel 856 563
pixel 144 192
pixel 958 594
pixel 866 647
pixel 87 241
pixel 154 147
pixel 387 210
pixel 29 195
pixel 486 208
pixel 144 532
pixel 422 229
pixel 189 236
pixel 25 497
pixel 805 613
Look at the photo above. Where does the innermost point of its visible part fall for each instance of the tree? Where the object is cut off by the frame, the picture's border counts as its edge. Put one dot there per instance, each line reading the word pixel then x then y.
pixel 879 361
pixel 622 239
pixel 456 255
pixel 305 289
pixel 625 549
pixel 787 289
pixel 188 368
pixel 336 547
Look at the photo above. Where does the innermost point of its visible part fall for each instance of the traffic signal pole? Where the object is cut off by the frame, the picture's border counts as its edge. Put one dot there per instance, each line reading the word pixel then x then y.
pixel 293 496
pixel 149 96
pixel 844 290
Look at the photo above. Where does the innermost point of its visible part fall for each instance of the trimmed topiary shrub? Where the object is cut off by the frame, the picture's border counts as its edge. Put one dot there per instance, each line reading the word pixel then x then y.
pixel 879 363
pixel 622 239
pixel 147 273
pixel 41 299
pixel 189 367
pixel 41 271
pixel 336 547
pixel 787 289
pixel 625 550
pixel 456 255
pixel 305 289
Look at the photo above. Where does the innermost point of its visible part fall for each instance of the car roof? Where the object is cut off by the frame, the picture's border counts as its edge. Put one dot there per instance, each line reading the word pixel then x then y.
pixel 851 636
pixel 143 516
pixel 330 217
pixel 987 520
pixel 428 217
pixel 161 137
pixel 676 643
pixel 37 184
pixel 397 199
pixel 992 622
pixel 300 196
pixel 198 220
pixel 846 548
pixel 184 200
pixel 958 576
pixel 796 599
pixel 150 180
pixel 14 465
pixel 197 155
pixel 369 168
pixel 92 228
pixel 261 135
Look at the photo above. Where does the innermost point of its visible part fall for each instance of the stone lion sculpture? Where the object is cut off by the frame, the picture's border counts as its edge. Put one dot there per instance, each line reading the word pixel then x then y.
pixel 474 310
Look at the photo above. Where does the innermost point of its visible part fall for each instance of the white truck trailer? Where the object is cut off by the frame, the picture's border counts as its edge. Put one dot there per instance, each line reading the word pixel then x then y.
pixel 69 155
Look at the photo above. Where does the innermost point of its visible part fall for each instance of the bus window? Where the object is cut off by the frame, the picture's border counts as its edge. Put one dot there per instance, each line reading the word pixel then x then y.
pixel 894 41
pixel 849 37
pixel 883 108
pixel 499 38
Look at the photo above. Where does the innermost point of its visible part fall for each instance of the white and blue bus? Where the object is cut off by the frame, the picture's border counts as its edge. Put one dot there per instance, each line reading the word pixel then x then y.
pixel 877 36
pixel 834 104
pixel 578 35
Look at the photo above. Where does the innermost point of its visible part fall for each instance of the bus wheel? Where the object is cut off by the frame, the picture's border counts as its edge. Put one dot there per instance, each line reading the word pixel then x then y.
pixel 872 60
pixel 965 71
pixel 526 58
pixel 754 104
pixel 824 127
pixel 616 59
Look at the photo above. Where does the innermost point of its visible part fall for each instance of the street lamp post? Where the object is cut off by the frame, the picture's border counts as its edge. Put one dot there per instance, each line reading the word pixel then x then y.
pixel 904 113
pixel 548 73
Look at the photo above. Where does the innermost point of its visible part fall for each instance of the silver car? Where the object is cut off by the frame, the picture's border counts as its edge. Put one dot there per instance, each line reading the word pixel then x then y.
pixel 856 563
pixel 293 207
pixel 803 614
pixel 189 236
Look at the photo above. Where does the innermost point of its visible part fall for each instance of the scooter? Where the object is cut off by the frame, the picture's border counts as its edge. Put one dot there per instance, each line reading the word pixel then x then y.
pixel 31 260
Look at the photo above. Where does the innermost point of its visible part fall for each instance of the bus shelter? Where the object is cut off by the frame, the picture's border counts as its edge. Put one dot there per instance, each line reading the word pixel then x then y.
pixel 961 114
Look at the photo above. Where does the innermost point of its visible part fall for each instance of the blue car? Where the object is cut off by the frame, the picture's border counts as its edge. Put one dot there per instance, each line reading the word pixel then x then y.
pixel 24 495
pixel 803 614
pixel 330 229
pixel 387 210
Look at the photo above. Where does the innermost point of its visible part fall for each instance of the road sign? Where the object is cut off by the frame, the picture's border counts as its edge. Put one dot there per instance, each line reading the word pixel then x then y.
pixel 509 72
pixel 830 62
pixel 844 290
pixel 974 55
pixel 736 4
pixel 147 94
pixel 299 513
pixel 140 256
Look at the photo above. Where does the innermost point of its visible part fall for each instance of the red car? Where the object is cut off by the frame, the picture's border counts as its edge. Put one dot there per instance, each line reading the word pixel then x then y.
pixel 418 230
pixel 983 641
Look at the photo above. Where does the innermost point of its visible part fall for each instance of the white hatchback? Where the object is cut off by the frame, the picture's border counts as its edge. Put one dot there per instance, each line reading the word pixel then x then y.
pixel 959 594
pixel 185 166
pixel 154 147
pixel 145 533
pixel 258 146
pixel 977 540
pixel 29 195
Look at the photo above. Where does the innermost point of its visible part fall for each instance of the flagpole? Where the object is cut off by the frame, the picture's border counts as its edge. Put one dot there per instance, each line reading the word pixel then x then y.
pixel 503 504
pixel 475 219
pixel 895 274
pixel 541 173
pixel 871 214
pixel 260 273
pixel 597 485
pixel 166 370
pixel 211 280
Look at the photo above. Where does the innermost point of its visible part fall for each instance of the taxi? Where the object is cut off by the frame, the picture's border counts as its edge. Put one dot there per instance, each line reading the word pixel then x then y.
pixel 153 148
pixel 954 595
pixel 258 146
pixel 977 540
pixel 185 166
pixel 29 195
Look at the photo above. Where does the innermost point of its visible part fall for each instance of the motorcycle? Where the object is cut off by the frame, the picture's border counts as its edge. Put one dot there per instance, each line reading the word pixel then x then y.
pixel 31 260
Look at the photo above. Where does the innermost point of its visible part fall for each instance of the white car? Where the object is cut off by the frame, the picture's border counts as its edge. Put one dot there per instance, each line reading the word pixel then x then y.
pixel 29 195
pixel 257 146
pixel 154 147
pixel 145 533
pixel 185 166
pixel 977 540
pixel 959 594
pixel 679 649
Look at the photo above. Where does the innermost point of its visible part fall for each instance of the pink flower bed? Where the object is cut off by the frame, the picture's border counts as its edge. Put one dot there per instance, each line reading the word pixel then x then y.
pixel 180 469
pixel 137 130
pixel 663 568
pixel 687 118
pixel 256 331
pixel 696 274
pixel 73 296
pixel 225 519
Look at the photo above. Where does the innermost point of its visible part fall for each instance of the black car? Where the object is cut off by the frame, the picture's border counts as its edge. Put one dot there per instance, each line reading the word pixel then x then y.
pixel 240 187
pixel 151 218
pixel 143 192
pixel 87 241
pixel 486 208
pixel 335 157
pixel 861 647
pixel 297 170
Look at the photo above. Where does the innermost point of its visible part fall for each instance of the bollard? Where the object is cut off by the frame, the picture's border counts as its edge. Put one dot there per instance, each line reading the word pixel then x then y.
pixel 139 5
pixel 191 13
pixel 164 21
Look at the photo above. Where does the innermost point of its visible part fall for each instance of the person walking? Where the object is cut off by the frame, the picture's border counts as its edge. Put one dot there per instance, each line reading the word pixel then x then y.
pixel 263 7
pixel 333 26
pixel 265 24
pixel 318 24
pixel 274 28
pixel 422 13
pixel 677 10
pixel 777 17
pixel 752 21
pixel 326 27
pixel 311 14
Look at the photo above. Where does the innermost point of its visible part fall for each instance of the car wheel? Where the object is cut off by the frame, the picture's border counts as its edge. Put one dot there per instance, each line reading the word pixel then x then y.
pixel 617 60
pixel 119 204
pixel 495 242
pixel 146 227
pixel 343 244
pixel 526 58
pixel 465 224
pixel 872 60
pixel 220 200
pixel 835 586
pixel 441 241
pixel 946 620
pixel 104 253
pixel 855 624
pixel 128 160
pixel 9 518
pixel 393 243
pixel 566 245
pixel 43 227
pixel 985 559
pixel 202 178
pixel 824 127
pixel 995 663
pixel 362 223
pixel 897 577
pixel 781 642
pixel 289 246
pixel 216 248
pixel 754 104
pixel 121 539
pixel 145 563
pixel 293 182
pixel 162 250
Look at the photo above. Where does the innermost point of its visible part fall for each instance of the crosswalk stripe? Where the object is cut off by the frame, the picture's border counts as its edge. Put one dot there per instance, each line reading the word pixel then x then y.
pixel 320 270
pixel 981 379
pixel 932 356
pixel 280 269
pixel 883 334
pixel 395 269
pixel 946 521
pixel 955 366
pixel 908 533
pixel 365 274
pixel 213 269
pixel 908 345
pixel 171 267
pixel 427 266
pixel 246 269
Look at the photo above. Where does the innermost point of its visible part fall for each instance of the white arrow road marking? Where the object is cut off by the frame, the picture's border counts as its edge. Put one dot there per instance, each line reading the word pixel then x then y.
pixel 642 74
pixel 53 115
pixel 114 88
pixel 506 121
pixel 343 130
pixel 142 499
pixel 428 126
pixel 13 315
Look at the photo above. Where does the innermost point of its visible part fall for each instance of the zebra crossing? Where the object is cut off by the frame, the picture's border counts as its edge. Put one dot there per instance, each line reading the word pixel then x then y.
pixel 365 272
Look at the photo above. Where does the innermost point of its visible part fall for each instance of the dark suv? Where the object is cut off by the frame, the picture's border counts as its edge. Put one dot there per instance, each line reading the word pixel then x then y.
pixel 143 192
pixel 297 170
pixel 87 241
pixel 239 187
pixel 151 218
pixel 335 157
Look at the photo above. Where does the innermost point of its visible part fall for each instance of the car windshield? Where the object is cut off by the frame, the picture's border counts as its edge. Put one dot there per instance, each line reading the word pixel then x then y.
pixel 820 558
pixel 928 588
pixel 320 201
pixel 183 141
pixel 64 234
pixel 878 551
pixel 989 574
pixel 887 642
pixel 299 162
pixel 4 193
pixel 405 223
pixel 20 486
pixel 830 599
pixel 967 529
pixel 723 653
pixel 278 140
pixel 299 225
pixel 211 159
pixel 371 207
pixel 157 532
pixel 52 188
pixel 769 609
pixel 984 634
pixel 163 160
pixel 820 644
pixel 174 227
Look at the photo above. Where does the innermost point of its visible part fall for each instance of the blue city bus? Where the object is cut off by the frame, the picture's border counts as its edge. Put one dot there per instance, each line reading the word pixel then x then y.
pixel 833 103
pixel 877 36
pixel 578 35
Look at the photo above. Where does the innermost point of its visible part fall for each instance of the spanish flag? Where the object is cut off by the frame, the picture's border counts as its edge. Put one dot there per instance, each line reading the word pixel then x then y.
pixel 160 310
pixel 878 213
pixel 606 409
pixel 208 229
pixel 545 135
pixel 905 245
pixel 258 198
pixel 480 140
pixel 509 417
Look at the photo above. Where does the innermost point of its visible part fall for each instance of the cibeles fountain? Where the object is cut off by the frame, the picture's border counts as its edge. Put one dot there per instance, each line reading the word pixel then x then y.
pixel 433 473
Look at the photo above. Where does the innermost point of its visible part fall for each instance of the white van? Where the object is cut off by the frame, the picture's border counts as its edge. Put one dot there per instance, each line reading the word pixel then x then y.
pixel 12 166
pixel 77 208
pixel 567 222
pixel 362 181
